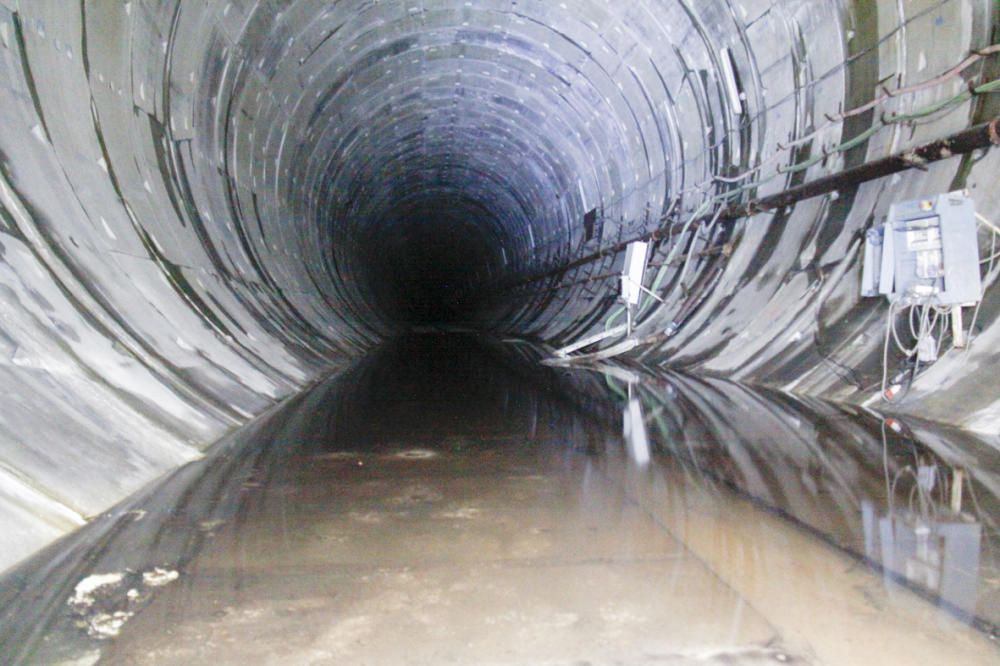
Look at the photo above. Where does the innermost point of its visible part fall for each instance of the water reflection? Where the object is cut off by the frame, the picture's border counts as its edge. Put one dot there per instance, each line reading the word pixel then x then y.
pixel 914 499
pixel 634 430
pixel 470 460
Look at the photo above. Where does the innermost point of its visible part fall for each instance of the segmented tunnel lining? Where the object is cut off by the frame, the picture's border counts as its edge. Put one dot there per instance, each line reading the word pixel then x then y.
pixel 196 196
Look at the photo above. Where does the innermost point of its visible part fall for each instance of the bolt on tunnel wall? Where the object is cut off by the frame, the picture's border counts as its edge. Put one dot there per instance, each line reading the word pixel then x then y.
pixel 206 207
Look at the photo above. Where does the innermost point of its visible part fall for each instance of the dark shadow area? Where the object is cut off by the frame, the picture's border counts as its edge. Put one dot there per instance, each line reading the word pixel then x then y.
pixel 430 236
pixel 431 261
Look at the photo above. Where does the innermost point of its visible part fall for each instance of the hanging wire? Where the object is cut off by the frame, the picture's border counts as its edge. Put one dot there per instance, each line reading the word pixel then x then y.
pixel 989 273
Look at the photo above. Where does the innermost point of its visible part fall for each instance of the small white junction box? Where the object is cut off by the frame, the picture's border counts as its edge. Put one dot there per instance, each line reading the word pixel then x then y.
pixel 633 271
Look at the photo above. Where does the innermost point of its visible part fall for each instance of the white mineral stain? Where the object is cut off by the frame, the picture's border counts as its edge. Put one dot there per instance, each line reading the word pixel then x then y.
pixel 159 577
pixel 416 454
pixel 83 593
pixel 107 625
pixel 88 658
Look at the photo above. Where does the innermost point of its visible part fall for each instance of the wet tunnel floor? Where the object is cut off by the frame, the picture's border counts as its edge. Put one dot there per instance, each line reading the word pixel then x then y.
pixel 450 500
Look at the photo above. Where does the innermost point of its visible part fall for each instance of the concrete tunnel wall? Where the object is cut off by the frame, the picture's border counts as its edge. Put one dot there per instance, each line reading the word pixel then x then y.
pixel 206 205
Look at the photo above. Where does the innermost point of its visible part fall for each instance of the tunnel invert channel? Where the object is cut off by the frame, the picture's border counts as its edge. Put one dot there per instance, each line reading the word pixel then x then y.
pixel 207 206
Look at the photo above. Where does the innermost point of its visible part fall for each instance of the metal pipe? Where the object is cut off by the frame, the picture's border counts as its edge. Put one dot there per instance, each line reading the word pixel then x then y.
pixel 981 136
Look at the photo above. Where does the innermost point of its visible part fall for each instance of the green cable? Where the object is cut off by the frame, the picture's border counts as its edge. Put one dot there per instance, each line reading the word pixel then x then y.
pixel 988 87
pixel 847 145
pixel 932 109
pixel 615 316
pixel 960 98
pixel 661 424
pixel 613 385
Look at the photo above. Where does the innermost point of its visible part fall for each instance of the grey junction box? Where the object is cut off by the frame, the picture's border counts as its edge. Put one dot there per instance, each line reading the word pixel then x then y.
pixel 927 253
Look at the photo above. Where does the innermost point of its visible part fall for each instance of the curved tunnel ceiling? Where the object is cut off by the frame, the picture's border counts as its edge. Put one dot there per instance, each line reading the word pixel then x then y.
pixel 207 206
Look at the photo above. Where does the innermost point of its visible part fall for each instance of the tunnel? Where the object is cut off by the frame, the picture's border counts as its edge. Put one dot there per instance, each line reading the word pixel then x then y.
pixel 237 235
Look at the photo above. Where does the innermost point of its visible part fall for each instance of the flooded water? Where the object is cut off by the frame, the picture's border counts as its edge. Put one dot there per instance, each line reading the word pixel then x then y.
pixel 450 500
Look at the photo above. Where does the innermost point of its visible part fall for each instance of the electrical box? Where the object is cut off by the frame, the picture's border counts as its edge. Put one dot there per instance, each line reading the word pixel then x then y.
pixel 926 253
pixel 633 271
pixel 872 267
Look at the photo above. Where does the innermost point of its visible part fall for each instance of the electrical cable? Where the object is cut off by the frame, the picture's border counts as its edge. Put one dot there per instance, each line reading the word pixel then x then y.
pixel 907 351
pixel 885 461
pixel 991 86
pixel 885 351
pixel 845 372
pixel 884 121
pixel 887 95
pixel 986 223
pixel 919 332
pixel 989 272
pixel 990 259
